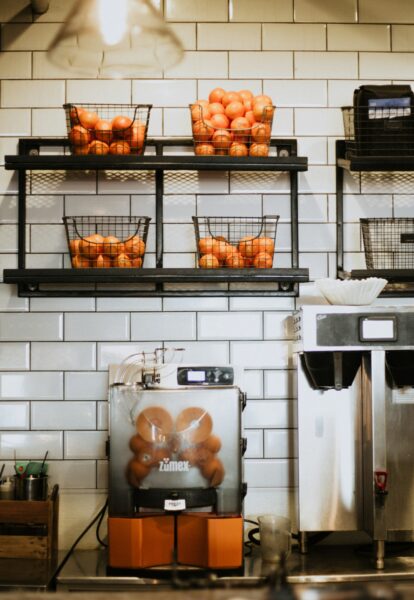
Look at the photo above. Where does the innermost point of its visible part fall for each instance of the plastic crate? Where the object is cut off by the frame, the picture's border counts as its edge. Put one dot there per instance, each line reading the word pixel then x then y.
pixel 105 242
pixel 235 242
pixel 388 243
pixel 110 134
pixel 379 131
pixel 252 141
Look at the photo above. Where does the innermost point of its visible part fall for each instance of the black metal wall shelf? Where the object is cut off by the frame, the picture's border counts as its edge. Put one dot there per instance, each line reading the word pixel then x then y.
pixel 158 281
pixel 401 281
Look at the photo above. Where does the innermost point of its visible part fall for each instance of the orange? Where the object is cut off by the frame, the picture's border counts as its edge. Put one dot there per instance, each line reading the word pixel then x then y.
pixel 235 109
pixel 246 95
pixel 222 139
pixel 102 262
pixel 213 470
pixel 216 108
pixel 91 246
pixel 263 260
pixel 74 246
pixel 209 261
pixel 202 131
pixel 79 262
pixel 235 261
pixel 263 98
pixel 229 97
pixel 98 147
pixel 137 443
pixel 263 244
pixel 216 95
pixel 204 149
pixel 120 147
pixel 88 119
pixel 136 472
pixel 220 249
pixel 134 246
pixel 135 135
pixel 205 245
pixel 262 111
pixel 204 455
pixel 194 424
pixel 241 129
pixel 79 136
pixel 213 443
pixel 81 149
pixel 220 121
pixel 199 112
pixel 136 262
pixel 246 246
pixel 103 130
pixel 122 261
pixel 250 117
pixel 248 104
pixel 120 124
pixel 259 150
pixel 111 245
pixel 261 133
pixel 154 424
pixel 150 456
pixel 238 149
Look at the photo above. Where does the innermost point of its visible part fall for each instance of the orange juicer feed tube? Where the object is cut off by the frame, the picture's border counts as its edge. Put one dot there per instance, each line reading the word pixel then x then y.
pixel 174 451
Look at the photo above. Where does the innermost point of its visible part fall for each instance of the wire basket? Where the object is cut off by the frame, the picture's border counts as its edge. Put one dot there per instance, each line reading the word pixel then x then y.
pixel 388 243
pixel 379 131
pixel 107 128
pixel 240 139
pixel 235 242
pixel 105 242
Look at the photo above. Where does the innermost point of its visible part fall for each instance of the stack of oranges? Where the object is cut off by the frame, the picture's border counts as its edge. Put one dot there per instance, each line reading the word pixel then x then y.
pixel 96 251
pixel 89 134
pixel 232 123
pixel 250 251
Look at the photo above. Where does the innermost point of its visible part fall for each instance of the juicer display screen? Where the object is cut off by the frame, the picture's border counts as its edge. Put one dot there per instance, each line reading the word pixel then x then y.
pixel 196 376
pixel 378 329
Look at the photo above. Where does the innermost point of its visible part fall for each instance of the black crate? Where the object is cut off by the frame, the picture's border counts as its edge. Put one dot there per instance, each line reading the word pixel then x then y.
pixel 235 242
pixel 121 241
pixel 388 243
pixel 122 139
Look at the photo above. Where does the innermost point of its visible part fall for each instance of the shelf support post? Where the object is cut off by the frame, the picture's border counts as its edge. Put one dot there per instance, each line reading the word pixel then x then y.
pixel 339 172
pixel 159 211
pixel 22 219
pixel 294 217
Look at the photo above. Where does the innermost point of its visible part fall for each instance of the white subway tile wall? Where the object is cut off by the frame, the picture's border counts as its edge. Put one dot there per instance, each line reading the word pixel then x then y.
pixel 309 55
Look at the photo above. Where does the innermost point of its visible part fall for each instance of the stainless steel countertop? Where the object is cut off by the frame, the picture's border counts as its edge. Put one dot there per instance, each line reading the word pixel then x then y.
pixel 86 570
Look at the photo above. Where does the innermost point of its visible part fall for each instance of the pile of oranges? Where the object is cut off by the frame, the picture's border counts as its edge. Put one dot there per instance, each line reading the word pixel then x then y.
pixel 250 251
pixel 96 251
pixel 89 134
pixel 232 123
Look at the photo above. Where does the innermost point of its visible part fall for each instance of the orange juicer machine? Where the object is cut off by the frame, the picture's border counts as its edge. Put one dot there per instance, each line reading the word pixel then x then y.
pixel 175 466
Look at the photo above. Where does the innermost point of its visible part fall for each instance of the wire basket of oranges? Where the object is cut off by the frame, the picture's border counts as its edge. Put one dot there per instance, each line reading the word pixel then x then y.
pixel 232 123
pixel 107 128
pixel 105 242
pixel 235 242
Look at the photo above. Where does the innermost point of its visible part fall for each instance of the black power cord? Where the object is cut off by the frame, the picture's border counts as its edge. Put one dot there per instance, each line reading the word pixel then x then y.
pixel 99 517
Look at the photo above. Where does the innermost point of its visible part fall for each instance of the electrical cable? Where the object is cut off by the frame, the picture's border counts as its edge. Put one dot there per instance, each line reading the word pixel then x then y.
pixel 78 539
pixel 98 537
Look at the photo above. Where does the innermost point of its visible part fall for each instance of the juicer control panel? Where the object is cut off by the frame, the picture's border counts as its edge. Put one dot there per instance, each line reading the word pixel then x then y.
pixel 199 375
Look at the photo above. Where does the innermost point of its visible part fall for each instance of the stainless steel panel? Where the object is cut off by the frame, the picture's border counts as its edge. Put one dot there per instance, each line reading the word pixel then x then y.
pixel 330 473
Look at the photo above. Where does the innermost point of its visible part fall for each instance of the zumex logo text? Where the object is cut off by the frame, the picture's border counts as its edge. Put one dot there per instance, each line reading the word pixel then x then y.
pixel 170 466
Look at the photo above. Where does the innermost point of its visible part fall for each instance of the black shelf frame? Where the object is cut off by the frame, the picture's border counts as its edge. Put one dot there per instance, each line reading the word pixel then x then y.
pixel 401 281
pixel 29 281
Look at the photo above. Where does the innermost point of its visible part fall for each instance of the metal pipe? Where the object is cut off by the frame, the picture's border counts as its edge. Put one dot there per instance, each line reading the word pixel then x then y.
pixel 39 7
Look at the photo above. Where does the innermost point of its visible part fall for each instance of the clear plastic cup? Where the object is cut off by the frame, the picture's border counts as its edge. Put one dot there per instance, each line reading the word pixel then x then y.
pixel 275 537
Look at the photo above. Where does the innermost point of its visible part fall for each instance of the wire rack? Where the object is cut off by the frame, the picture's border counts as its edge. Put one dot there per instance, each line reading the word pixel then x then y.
pixel 235 242
pixel 379 131
pixel 104 242
pixel 107 128
pixel 388 243
pixel 236 140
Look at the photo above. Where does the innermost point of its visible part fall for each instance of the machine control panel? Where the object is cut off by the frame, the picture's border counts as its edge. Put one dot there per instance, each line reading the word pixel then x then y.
pixel 200 375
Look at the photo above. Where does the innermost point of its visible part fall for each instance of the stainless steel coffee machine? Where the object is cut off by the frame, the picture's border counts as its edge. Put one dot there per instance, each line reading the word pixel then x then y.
pixel 355 369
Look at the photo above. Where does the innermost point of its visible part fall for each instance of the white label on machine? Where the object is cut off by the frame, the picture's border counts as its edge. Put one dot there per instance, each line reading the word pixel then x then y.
pixel 174 504
pixel 378 329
